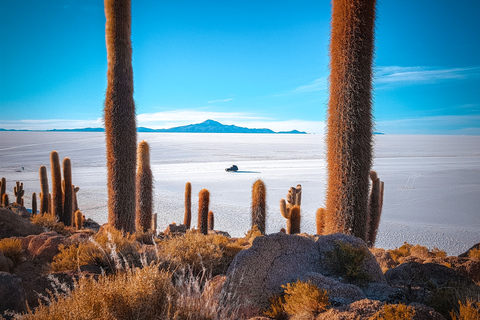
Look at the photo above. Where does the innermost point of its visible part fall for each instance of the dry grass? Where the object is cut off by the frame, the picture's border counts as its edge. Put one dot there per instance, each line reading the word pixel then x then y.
pixel 468 311
pixel 418 251
pixel 12 249
pixel 474 254
pixel 50 221
pixel 394 312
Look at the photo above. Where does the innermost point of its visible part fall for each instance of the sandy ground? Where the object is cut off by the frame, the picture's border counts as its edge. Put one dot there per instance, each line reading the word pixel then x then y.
pixel 432 183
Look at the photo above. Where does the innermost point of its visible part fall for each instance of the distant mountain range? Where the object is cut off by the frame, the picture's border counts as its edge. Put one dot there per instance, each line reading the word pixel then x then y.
pixel 210 126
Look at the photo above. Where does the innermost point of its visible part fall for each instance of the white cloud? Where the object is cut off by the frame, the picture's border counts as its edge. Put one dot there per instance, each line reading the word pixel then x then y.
pixel 220 100
pixel 318 84
pixel 450 124
pixel 416 75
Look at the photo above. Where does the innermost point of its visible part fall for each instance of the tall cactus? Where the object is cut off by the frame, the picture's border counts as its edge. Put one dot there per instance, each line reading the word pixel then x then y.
pixel 320 221
pixel 187 219
pixel 43 190
pixel 143 220
pixel 5 201
pixel 3 189
pixel 349 120
pixel 19 193
pixel 34 203
pixel 375 207
pixel 203 203
pixel 259 200
pixel 119 117
pixel 57 195
pixel 67 218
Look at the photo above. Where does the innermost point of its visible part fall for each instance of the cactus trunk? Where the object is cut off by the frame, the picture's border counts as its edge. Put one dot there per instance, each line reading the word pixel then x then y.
pixel 119 116
pixel 320 221
pixel 349 120
pixel 34 203
pixel 43 190
pixel 57 194
pixel 211 220
pixel 259 205
pixel 187 219
pixel 144 189
pixel 3 189
pixel 293 224
pixel 375 207
pixel 67 193
pixel 203 203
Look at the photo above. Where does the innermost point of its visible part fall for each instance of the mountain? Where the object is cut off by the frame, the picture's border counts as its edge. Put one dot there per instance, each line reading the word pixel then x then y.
pixel 210 126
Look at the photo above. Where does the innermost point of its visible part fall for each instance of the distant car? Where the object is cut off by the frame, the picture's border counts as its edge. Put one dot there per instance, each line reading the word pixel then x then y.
pixel 233 168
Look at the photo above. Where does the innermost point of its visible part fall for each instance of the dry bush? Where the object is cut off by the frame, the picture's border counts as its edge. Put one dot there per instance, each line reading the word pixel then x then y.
pixel 468 311
pixel 418 251
pixel 12 249
pixel 133 294
pixel 305 298
pixel 474 254
pixel 197 252
pixel 108 249
pixel 402 252
pixel 50 222
pixel 276 309
pixel 394 312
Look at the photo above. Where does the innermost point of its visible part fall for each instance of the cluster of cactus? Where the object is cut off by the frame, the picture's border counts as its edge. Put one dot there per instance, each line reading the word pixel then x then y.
pixel 144 189
pixel 290 209
pixel 259 196
pixel 349 117
pixel 19 193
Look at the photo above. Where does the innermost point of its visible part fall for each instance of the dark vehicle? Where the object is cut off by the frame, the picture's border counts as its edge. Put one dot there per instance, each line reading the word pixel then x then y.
pixel 233 168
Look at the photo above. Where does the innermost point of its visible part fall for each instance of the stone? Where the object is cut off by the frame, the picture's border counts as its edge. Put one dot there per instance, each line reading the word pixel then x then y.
pixel 4 265
pixel 12 296
pixel 79 237
pixel 13 225
pixel 174 229
pixel 37 241
pixel 91 224
pixel 466 253
pixel 49 249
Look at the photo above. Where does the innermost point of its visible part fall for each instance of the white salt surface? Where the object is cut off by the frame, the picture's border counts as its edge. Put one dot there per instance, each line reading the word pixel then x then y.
pixel 432 183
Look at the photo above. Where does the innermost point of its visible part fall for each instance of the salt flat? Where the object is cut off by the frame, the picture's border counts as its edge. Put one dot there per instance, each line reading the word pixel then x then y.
pixel 432 183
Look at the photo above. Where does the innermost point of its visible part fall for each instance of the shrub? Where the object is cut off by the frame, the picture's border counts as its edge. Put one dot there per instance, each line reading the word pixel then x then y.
pixel 276 310
pixel 402 252
pixel 50 221
pixel 394 312
pixel 305 298
pixel 346 261
pixel 468 311
pixel 474 254
pixel 12 249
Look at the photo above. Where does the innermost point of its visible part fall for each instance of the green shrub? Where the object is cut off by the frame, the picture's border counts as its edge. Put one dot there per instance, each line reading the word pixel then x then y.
pixel 346 261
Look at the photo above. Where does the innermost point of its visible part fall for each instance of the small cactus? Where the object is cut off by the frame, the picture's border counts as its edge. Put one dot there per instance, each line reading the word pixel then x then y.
pixel 144 188
pixel 44 201
pixel 187 219
pixel 78 220
pixel 375 204
pixel 154 222
pixel 203 203
pixel 294 199
pixel 320 221
pixel 211 220
pixel 3 189
pixel 34 203
pixel 18 192
pixel 67 212
pixel 5 200
pixel 259 205
pixel 75 200
pixel 293 224
pixel 57 195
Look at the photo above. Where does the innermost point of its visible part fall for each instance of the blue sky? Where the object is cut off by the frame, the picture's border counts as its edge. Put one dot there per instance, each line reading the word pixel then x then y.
pixel 249 63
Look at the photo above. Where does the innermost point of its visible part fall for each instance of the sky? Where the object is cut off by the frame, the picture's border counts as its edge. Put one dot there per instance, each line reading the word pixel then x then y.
pixel 257 64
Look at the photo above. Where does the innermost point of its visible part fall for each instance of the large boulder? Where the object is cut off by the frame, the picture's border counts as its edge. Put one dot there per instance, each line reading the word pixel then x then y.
pixel 45 245
pixel 13 225
pixel 258 273
pixel 12 296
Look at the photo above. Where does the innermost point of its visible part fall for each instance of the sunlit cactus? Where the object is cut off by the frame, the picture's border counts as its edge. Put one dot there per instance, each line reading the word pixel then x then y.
pixel 119 117
pixel 34 203
pixel 211 220
pixel 259 196
pixel 67 193
pixel 78 220
pixel 349 120
pixel 144 189
pixel 5 200
pixel 44 201
pixel 293 224
pixel 75 199
pixel 187 219
pixel 57 195
pixel 320 221
pixel 19 193
pixel 203 203
pixel 3 188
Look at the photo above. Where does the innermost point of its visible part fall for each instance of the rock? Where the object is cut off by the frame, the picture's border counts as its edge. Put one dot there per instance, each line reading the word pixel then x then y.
pixel 20 210
pixel 37 241
pixel 4 265
pixel 49 249
pixel 13 225
pixel 26 241
pixel 213 288
pixel 338 293
pixel 79 237
pixel 12 296
pixel 91 224
pixel 174 229
pixel 222 233
pixel 383 292
pixel 466 266
pixel 258 273
pixel 384 259
pixel 466 253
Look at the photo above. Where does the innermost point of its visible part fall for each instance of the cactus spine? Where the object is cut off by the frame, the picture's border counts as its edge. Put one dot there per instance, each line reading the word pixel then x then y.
pixel 34 203
pixel 259 205
pixel 203 203
pixel 349 120
pixel 57 195
pixel 143 220
pixel 78 220
pixel 119 117
pixel 211 221
pixel 3 189
pixel 19 192
pixel 187 219
pixel 67 193
pixel 320 221
pixel 43 190
pixel 375 207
